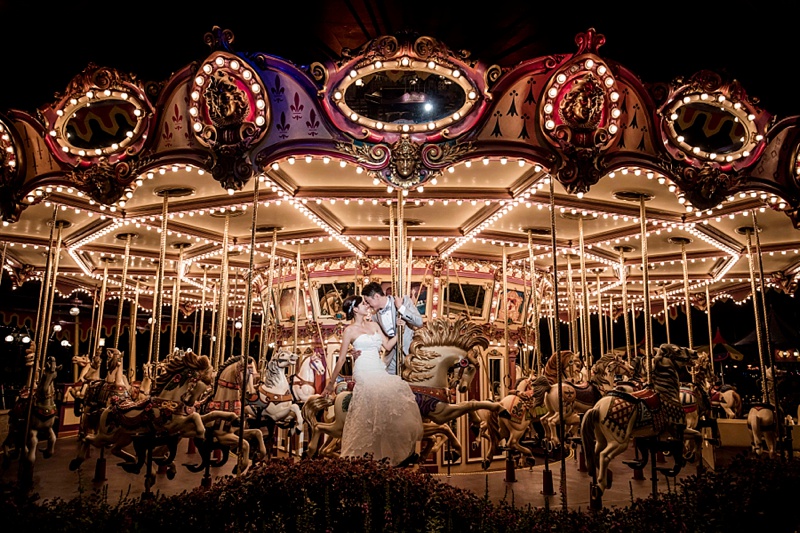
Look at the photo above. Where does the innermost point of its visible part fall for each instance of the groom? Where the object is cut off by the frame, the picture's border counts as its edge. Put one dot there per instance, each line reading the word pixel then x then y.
pixel 388 311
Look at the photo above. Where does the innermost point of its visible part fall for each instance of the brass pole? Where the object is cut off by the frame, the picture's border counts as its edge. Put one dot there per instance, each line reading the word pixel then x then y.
pixel 648 336
pixel 666 313
pixel 601 333
pixel 269 316
pixel 132 336
pixel 297 299
pixel 506 325
pixel 248 311
pixel 155 339
pixel 128 237
pixel 52 291
pixel 102 305
pixel 222 308
pixel 687 301
pixel 623 276
pixel 42 330
pixel 710 331
pixel 198 344
pixel 573 330
pixel 557 343
pixel 176 296
pixel 759 340
pixel 537 344
pixel 585 329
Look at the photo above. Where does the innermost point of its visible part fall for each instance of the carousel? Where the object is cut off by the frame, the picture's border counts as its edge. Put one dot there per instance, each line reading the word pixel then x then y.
pixel 174 230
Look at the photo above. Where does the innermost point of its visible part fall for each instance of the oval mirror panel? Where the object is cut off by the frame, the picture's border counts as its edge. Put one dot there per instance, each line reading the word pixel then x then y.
pixel 405 97
pixel 101 124
pixel 710 128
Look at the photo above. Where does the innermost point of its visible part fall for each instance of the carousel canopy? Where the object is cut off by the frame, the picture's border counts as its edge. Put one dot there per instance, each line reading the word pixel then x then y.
pixel 496 137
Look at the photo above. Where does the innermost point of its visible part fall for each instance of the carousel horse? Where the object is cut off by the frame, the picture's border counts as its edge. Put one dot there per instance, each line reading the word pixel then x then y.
pixel 42 420
pixel 273 404
pixel 90 371
pixel 221 434
pixel 309 378
pixel 726 401
pixel 696 404
pixel 617 418
pixel 162 418
pixel 100 393
pixel 762 417
pixel 438 347
pixel 577 396
pixel 521 404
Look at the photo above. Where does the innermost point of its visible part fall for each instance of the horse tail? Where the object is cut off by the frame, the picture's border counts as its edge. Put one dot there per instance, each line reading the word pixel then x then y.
pixel 588 439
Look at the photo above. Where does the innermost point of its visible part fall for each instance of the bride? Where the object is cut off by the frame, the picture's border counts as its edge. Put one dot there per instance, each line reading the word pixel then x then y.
pixel 383 418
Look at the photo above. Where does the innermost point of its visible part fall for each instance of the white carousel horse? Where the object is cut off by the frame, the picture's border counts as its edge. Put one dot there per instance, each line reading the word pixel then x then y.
pixel 309 378
pixel 762 417
pixel 436 348
pixel 727 401
pixel 608 427
pixel 169 413
pixel 100 393
pixel 273 402
pixel 226 396
pixel 42 419
pixel 577 396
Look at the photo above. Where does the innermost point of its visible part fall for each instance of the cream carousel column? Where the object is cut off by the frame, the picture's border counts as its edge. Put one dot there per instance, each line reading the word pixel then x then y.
pixel 42 333
pixel 537 343
pixel 648 335
pixel 127 237
pixel 269 308
pixel 666 311
pixel 600 325
pixel 585 329
pixel 557 344
pixel 247 319
pixel 623 279
pixel 176 295
pixel 101 341
pixel 198 342
pixel 155 336
pixel 134 314
pixel 683 241
pixel 748 231
pixel 222 306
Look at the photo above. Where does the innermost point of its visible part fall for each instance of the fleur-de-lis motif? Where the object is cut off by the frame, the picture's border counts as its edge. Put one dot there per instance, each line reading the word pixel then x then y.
pixel 312 124
pixel 277 91
pixel 297 107
pixel 283 127
pixel 167 135
pixel 177 117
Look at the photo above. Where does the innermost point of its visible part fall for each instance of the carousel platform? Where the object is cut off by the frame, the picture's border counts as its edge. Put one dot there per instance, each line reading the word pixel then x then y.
pixel 540 485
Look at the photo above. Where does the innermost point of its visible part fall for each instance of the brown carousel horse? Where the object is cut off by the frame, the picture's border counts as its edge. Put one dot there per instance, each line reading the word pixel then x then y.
pixel 437 348
pixel 160 419
pixel 617 418
pixel 221 434
pixel 42 420
pixel 577 396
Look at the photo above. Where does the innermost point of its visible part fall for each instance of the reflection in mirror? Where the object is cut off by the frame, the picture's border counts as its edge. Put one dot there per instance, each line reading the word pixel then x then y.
pixel 465 297
pixel 101 124
pixel 710 128
pixel 405 97
pixel 286 306
pixel 331 296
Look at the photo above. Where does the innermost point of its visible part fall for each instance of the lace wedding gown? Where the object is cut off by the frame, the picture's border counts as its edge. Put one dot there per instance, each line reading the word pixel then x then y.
pixel 383 418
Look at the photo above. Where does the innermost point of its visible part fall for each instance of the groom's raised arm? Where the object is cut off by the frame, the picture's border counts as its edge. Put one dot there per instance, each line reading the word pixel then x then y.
pixel 409 313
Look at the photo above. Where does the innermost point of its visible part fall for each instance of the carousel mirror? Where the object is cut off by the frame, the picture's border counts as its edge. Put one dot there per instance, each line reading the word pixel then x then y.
pixel 405 97
pixel 465 298
pixel 101 124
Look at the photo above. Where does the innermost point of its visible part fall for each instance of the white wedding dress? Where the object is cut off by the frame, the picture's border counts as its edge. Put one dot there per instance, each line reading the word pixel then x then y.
pixel 383 418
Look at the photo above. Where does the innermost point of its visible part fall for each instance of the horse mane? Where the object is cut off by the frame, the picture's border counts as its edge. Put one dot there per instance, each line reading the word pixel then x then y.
pixel 225 366
pixel 178 362
pixel 273 371
pixel 461 333
pixel 551 367
pixel 664 373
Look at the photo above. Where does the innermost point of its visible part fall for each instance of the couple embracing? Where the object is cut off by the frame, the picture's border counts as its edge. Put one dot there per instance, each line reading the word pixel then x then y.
pixel 383 418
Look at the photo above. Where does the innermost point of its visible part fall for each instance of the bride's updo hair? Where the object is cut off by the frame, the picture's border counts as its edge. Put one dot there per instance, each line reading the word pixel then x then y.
pixel 349 305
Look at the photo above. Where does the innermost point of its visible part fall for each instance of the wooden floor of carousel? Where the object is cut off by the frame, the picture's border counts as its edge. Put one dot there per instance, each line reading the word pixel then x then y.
pixel 538 486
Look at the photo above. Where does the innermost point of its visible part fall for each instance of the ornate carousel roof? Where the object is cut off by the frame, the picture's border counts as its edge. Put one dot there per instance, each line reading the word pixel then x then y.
pixel 484 163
